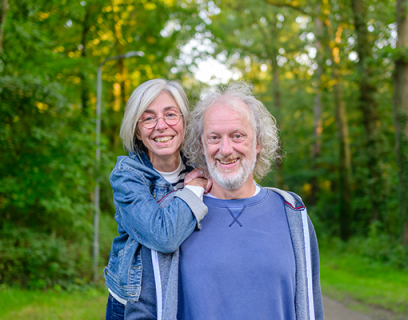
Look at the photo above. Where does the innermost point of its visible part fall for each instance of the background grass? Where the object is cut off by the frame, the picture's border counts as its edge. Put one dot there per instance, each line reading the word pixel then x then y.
pixel 350 276
pixel 87 303
pixel 344 277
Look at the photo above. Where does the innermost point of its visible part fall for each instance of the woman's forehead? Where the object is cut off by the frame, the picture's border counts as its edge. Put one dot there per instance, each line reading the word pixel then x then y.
pixel 163 102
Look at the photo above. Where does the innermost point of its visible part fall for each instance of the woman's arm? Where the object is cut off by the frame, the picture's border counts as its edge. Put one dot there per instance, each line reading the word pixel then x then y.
pixel 159 228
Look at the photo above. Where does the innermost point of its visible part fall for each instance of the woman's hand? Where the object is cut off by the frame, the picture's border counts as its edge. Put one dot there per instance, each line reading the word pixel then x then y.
pixel 198 177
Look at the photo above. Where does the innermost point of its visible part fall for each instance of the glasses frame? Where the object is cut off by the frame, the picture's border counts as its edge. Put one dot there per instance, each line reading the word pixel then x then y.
pixel 157 120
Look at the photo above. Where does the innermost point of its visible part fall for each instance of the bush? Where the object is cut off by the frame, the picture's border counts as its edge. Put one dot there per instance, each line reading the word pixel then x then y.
pixel 378 247
pixel 38 260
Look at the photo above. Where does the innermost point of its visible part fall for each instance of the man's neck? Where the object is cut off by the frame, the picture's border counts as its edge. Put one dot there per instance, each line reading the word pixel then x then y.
pixel 245 191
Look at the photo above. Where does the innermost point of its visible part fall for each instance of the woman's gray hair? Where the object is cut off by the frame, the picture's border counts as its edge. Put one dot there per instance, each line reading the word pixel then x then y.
pixel 140 100
pixel 263 123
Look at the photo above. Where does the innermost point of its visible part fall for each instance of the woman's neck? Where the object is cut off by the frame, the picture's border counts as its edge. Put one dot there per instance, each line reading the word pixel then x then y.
pixel 165 164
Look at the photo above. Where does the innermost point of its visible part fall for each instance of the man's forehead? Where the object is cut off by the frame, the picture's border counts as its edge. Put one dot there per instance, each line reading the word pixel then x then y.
pixel 221 118
pixel 234 106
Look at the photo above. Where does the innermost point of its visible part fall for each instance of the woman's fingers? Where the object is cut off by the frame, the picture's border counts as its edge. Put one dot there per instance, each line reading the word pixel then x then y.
pixel 199 182
pixel 209 185
pixel 196 173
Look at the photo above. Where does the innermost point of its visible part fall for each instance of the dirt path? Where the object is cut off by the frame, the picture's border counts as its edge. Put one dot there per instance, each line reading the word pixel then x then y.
pixel 334 310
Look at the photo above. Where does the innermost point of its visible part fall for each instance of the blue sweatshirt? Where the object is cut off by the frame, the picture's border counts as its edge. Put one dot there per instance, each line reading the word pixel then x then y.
pixel 241 265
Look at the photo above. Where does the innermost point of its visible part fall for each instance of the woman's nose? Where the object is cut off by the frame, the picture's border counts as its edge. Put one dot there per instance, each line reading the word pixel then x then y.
pixel 161 124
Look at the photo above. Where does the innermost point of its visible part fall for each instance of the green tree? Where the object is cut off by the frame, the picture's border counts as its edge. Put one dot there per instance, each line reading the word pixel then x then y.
pixel 3 15
pixel 49 57
pixel 401 113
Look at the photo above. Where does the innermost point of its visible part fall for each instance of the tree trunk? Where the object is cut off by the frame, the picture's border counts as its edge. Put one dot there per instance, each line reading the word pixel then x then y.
pixel 317 108
pixel 276 92
pixel 369 109
pixel 345 212
pixel 123 72
pixel 3 15
pixel 83 76
pixel 121 67
pixel 401 114
pixel 270 36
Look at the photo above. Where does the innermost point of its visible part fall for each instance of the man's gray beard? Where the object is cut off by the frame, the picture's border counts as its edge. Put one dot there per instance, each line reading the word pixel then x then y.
pixel 231 181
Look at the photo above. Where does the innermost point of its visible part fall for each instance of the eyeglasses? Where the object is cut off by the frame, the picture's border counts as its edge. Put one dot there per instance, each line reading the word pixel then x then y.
pixel 171 118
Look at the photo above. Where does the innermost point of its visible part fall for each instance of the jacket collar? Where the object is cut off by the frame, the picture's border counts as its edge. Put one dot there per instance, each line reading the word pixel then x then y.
pixel 291 199
pixel 144 159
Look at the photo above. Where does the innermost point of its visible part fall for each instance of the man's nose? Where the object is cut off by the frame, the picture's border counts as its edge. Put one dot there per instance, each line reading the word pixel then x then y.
pixel 226 147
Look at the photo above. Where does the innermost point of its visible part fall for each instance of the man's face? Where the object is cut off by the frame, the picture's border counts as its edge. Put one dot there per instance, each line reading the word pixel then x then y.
pixel 229 144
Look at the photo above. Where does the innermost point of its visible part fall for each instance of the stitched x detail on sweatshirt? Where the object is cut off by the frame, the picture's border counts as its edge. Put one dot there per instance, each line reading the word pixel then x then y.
pixel 235 214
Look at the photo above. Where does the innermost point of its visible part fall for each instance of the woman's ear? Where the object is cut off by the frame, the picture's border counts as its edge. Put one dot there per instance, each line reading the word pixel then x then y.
pixel 137 133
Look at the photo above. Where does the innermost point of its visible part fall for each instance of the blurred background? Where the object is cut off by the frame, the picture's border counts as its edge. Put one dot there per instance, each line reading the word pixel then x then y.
pixel 334 74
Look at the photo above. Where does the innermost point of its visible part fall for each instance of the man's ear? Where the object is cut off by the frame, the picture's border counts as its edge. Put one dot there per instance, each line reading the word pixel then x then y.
pixel 258 148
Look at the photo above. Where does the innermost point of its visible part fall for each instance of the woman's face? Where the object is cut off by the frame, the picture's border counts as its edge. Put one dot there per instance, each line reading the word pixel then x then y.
pixel 162 141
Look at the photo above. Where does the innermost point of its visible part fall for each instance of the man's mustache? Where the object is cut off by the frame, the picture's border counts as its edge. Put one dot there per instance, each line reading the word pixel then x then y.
pixel 227 159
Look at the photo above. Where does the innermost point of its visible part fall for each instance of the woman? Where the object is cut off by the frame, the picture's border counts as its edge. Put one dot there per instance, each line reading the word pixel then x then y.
pixel 152 131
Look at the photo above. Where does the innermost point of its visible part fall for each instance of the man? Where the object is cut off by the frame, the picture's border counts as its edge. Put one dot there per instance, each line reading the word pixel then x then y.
pixel 256 256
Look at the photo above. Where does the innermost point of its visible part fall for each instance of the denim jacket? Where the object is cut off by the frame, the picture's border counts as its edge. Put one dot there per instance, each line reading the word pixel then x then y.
pixel 137 189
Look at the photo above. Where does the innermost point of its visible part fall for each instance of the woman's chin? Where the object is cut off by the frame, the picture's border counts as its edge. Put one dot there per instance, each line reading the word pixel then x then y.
pixel 164 156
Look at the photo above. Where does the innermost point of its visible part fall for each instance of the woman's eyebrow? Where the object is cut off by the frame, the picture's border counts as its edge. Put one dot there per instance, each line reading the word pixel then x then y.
pixel 165 109
pixel 170 107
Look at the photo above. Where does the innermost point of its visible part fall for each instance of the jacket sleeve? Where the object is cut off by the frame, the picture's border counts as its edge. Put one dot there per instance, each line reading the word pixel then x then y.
pixel 317 292
pixel 159 228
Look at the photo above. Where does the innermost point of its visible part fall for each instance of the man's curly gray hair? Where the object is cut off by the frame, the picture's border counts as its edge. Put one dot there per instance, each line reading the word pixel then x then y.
pixel 263 123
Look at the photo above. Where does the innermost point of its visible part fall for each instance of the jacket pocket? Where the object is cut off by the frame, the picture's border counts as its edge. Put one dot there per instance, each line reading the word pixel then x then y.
pixel 160 191
pixel 125 257
pixel 135 272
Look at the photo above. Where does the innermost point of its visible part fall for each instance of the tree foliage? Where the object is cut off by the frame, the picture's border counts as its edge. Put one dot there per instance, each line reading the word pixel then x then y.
pixel 314 64
pixel 48 62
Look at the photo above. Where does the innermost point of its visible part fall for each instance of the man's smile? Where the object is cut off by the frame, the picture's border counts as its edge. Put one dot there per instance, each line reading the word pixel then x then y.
pixel 228 160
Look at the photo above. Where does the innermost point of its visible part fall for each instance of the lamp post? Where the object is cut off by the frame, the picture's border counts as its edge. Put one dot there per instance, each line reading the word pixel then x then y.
pixel 95 247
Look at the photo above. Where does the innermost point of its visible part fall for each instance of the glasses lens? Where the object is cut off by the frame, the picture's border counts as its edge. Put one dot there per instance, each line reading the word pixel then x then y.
pixel 148 121
pixel 172 118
